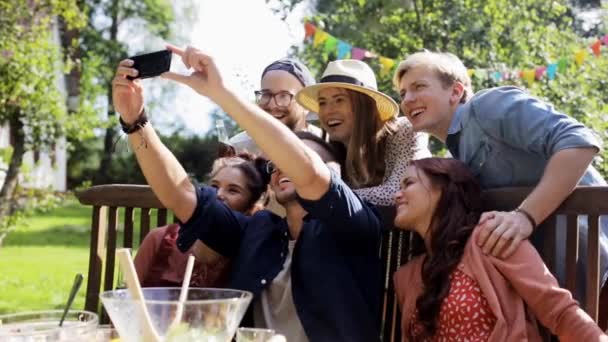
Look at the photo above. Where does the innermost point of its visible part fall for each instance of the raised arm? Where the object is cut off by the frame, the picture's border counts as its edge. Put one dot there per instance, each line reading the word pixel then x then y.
pixel 302 165
pixel 163 172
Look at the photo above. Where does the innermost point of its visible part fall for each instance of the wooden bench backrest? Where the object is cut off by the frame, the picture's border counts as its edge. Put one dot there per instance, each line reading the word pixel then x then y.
pixel 107 199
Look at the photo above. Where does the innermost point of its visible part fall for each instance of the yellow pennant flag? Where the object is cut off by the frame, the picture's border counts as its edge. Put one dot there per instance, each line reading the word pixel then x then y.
pixel 387 65
pixel 529 76
pixel 320 37
pixel 580 56
pixel 471 72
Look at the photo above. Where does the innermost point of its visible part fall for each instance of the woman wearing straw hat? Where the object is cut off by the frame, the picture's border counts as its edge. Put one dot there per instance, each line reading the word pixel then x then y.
pixel 362 122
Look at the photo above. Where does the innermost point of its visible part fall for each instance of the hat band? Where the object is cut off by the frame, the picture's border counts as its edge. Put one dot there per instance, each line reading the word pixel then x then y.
pixel 342 79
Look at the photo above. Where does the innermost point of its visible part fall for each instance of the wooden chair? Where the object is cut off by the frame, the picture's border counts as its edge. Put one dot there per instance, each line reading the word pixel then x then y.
pixel 106 201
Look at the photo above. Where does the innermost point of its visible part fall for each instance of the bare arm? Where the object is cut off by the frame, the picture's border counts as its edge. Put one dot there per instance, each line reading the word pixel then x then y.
pixel 163 172
pixel 302 165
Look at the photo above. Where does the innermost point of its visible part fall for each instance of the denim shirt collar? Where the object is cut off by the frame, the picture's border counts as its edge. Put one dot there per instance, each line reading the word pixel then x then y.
pixel 456 124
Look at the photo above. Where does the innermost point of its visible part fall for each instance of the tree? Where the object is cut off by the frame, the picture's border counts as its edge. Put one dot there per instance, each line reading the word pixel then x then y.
pixel 30 66
pixel 100 49
pixel 484 34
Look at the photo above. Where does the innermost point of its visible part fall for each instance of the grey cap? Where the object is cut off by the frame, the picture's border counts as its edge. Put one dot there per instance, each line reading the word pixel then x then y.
pixel 294 67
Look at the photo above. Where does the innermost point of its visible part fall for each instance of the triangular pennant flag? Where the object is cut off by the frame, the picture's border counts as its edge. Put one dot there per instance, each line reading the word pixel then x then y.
pixel 343 49
pixel 320 37
pixel 551 69
pixel 309 30
pixel 387 65
pixel 605 40
pixel 497 76
pixel 330 44
pixel 357 53
pixel 579 56
pixel 529 75
pixel 596 47
pixel 471 72
pixel 539 72
pixel 562 65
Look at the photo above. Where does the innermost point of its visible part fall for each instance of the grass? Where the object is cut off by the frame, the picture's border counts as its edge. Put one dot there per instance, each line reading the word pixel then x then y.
pixel 39 260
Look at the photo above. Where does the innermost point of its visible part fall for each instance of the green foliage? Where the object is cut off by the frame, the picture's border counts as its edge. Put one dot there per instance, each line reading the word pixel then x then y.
pixel 196 154
pixel 29 64
pixel 484 34
pixel 27 203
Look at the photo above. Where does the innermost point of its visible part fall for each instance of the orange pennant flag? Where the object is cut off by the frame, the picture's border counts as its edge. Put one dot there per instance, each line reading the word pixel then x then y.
pixel 309 30
pixel 580 56
pixel 320 37
pixel 596 47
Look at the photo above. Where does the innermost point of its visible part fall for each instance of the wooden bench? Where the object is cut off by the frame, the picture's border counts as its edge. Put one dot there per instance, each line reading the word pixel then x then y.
pixel 110 202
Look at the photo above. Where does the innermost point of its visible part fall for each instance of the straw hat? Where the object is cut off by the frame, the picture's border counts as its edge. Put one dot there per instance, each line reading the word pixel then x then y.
pixel 349 74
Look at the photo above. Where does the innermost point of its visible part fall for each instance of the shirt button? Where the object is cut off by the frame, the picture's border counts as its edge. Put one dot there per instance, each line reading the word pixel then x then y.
pixel 263 281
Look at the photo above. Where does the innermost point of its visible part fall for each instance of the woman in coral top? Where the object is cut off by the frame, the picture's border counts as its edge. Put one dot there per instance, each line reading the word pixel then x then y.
pixel 451 291
pixel 241 181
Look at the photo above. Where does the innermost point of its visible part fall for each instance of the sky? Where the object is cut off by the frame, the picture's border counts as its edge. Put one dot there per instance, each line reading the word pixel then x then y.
pixel 242 42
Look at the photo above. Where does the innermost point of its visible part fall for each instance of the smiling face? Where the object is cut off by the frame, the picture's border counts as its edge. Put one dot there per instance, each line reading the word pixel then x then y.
pixel 427 102
pixel 336 113
pixel 416 201
pixel 279 81
pixel 231 185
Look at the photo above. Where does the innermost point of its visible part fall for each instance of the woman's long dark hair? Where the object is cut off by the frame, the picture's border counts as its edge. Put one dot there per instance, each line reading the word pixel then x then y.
pixel 457 212
pixel 363 159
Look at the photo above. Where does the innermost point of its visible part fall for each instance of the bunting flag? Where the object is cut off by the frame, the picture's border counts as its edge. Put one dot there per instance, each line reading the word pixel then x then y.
pixel 357 53
pixel 579 56
pixel 320 37
pixel 551 69
pixel 330 44
pixel 387 65
pixel 342 50
pixel 596 48
pixel 309 30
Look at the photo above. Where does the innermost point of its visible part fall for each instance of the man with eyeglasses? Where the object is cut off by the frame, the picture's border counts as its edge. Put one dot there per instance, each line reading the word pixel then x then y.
pixel 281 80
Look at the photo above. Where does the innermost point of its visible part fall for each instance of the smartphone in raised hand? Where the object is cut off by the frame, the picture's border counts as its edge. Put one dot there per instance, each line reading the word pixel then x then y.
pixel 151 64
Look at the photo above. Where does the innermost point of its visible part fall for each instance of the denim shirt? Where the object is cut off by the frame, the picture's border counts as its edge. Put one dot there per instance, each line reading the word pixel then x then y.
pixel 507 137
pixel 335 269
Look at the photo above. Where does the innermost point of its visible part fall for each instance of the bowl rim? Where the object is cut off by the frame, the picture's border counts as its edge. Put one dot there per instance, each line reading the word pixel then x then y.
pixel 245 296
pixel 73 324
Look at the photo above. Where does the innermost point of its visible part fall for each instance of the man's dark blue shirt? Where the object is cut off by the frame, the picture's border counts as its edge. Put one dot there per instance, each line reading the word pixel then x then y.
pixel 335 268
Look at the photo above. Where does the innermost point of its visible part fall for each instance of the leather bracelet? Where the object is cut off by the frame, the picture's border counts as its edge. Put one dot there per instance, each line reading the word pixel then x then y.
pixel 527 215
pixel 139 123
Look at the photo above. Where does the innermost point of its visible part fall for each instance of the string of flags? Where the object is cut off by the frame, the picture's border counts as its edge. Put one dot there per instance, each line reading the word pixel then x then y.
pixel 342 50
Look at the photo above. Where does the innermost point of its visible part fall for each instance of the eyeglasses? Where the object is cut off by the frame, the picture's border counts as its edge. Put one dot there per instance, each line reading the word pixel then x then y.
pixel 271 168
pixel 282 98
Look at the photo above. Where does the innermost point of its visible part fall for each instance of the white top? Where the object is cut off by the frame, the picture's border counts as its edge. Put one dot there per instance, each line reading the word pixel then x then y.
pixel 243 142
pixel 401 147
pixel 275 308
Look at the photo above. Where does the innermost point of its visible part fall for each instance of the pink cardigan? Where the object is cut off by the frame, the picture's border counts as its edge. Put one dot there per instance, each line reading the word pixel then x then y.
pixel 518 289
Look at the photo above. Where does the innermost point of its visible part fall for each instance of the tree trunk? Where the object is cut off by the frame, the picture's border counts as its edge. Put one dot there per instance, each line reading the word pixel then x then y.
pixel 108 143
pixel 12 174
